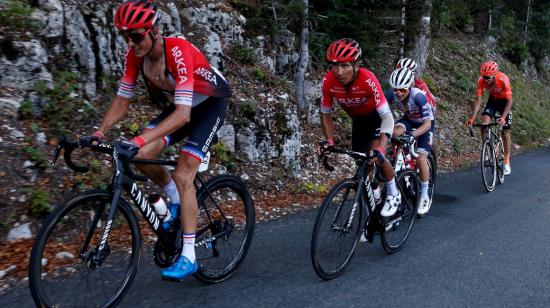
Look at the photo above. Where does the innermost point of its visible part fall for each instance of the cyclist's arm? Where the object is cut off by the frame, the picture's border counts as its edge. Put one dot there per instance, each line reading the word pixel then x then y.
pixel 328 125
pixel 507 108
pixel 477 103
pixel 177 119
pixel 386 128
pixel 425 127
pixel 116 112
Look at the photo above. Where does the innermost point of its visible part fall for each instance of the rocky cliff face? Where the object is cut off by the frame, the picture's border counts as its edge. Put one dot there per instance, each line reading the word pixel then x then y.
pixel 79 36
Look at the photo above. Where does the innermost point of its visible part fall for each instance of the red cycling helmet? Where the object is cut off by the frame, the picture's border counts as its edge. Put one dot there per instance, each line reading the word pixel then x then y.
pixel 136 14
pixel 489 68
pixel 343 50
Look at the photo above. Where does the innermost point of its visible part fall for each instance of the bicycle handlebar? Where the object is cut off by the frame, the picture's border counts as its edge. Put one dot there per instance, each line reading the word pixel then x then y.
pixel 403 139
pixel 495 123
pixel 353 154
pixel 122 155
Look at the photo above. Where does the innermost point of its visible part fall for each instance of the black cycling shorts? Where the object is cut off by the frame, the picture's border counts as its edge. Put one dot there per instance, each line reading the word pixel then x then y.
pixel 494 109
pixel 364 131
pixel 206 119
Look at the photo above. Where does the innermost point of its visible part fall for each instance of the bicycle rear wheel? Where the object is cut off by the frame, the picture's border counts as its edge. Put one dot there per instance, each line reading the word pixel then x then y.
pixel 488 166
pixel 500 160
pixel 397 228
pixel 337 229
pixel 65 269
pixel 225 227
pixel 432 165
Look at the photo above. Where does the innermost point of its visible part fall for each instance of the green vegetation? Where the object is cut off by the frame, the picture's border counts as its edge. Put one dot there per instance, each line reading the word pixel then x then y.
pixel 310 188
pixel 15 16
pixel 39 201
pixel 221 152
pixel 531 112
pixel 242 54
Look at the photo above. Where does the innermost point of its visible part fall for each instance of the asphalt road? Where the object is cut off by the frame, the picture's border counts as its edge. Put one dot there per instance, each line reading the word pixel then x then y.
pixel 473 249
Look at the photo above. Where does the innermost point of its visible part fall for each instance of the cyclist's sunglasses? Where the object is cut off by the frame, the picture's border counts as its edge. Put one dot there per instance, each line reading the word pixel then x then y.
pixel 402 91
pixel 135 37
pixel 488 77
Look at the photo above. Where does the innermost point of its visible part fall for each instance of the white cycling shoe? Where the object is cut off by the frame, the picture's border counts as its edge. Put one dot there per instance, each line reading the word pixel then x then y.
pixel 424 205
pixel 507 169
pixel 391 205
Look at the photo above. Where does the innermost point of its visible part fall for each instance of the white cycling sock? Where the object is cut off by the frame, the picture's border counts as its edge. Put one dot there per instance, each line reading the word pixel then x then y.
pixel 172 191
pixel 188 250
pixel 424 189
pixel 391 188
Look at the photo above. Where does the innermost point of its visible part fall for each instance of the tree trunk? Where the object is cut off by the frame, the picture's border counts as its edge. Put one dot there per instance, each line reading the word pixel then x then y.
pixel 301 68
pixel 490 24
pixel 417 31
pixel 402 30
pixel 525 33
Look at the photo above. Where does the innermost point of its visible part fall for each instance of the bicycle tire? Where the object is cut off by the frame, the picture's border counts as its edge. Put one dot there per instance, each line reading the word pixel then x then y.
pixel 488 166
pixel 500 161
pixel 432 161
pixel 86 205
pixel 408 183
pixel 235 215
pixel 343 212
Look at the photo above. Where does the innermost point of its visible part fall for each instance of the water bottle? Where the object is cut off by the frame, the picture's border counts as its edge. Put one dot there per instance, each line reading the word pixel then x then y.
pixel 160 207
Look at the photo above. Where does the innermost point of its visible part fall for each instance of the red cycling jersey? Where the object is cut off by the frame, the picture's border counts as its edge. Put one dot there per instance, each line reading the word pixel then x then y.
pixel 500 89
pixel 359 99
pixel 420 84
pixel 187 68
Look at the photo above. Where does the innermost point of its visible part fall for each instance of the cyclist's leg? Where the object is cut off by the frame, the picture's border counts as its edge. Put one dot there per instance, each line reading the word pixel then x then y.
pixel 486 115
pixel 156 173
pixel 506 138
pixel 399 129
pixel 206 119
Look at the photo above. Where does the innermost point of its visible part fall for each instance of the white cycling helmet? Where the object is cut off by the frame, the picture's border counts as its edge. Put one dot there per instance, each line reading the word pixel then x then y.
pixel 408 63
pixel 401 78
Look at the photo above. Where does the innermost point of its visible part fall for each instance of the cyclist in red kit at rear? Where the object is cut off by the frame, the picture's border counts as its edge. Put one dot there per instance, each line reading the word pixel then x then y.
pixel 191 95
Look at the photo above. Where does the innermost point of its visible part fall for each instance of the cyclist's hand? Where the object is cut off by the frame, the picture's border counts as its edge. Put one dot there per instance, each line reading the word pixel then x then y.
pixel 470 122
pixel 502 121
pixel 379 155
pixel 410 138
pixel 93 139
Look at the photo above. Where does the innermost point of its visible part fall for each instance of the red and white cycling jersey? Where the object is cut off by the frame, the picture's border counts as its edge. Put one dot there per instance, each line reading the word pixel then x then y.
pixel 359 99
pixel 500 89
pixel 420 84
pixel 189 73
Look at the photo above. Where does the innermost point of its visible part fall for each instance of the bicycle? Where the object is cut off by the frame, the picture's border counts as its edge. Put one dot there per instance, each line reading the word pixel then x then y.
pixel 402 155
pixel 492 155
pixel 91 244
pixel 349 209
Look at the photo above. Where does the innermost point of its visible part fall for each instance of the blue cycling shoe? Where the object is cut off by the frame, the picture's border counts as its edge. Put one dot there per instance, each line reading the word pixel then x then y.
pixel 174 213
pixel 179 270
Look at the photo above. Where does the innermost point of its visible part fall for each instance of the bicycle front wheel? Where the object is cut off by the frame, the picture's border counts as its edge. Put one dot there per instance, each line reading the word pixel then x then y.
pixel 500 160
pixel 396 229
pixel 65 269
pixel 488 166
pixel 337 229
pixel 225 227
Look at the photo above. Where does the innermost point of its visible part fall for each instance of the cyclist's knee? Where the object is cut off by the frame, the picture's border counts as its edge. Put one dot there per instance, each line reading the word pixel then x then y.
pixel 150 151
pixel 184 179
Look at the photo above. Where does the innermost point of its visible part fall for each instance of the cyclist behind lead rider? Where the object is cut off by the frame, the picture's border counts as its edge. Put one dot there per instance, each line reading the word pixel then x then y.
pixel 418 122
pixel 500 100
pixel 418 82
pixel 359 93
pixel 192 97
